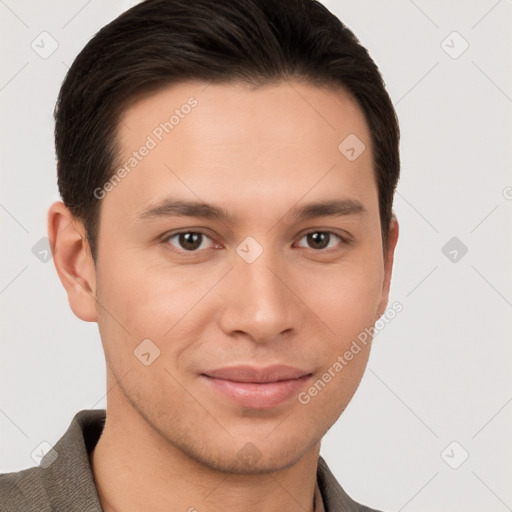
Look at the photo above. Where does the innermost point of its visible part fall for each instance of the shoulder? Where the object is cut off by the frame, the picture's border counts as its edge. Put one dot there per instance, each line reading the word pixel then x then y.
pixel 334 496
pixel 23 491
pixel 63 480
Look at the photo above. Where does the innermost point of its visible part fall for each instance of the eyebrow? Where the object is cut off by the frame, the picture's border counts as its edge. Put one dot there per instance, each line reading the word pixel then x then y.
pixel 179 208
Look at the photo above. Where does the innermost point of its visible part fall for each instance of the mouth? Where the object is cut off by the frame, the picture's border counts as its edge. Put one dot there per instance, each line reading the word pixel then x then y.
pixel 257 388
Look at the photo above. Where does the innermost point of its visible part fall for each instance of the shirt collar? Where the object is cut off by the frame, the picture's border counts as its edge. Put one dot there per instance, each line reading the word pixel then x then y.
pixel 69 482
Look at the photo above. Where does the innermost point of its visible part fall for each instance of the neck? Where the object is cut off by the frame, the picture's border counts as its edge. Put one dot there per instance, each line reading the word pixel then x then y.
pixel 136 469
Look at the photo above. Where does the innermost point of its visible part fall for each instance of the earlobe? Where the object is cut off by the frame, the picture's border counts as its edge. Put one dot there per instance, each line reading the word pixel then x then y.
pixel 73 260
pixel 388 263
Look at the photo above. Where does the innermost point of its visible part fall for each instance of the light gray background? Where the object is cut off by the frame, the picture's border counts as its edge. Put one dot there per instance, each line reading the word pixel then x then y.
pixel 438 373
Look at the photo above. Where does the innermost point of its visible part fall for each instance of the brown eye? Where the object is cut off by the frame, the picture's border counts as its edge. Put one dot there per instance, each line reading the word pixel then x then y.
pixel 189 241
pixel 319 240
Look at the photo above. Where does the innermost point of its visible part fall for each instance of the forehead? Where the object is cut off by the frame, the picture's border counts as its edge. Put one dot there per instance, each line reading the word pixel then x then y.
pixel 243 146
pixel 268 109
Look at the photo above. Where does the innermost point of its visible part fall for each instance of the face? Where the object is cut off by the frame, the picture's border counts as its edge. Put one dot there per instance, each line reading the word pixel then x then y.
pixel 249 305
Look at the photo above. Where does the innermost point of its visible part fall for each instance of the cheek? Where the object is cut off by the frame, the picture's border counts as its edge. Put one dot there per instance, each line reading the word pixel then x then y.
pixel 347 307
pixel 145 301
pixel 328 395
pixel 346 297
pixel 353 305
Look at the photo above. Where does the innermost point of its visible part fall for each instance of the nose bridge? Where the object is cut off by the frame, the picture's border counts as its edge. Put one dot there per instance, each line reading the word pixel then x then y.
pixel 261 284
pixel 259 303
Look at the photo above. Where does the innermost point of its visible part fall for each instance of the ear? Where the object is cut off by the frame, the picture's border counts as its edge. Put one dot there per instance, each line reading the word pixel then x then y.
pixel 73 260
pixel 389 253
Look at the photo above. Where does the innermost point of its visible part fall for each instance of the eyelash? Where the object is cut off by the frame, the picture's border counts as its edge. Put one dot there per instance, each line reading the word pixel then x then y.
pixel 183 252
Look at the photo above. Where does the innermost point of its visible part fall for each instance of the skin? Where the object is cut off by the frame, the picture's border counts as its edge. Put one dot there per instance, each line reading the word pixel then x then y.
pixel 257 153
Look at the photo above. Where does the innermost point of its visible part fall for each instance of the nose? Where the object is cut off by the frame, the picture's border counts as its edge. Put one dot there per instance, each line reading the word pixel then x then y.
pixel 259 301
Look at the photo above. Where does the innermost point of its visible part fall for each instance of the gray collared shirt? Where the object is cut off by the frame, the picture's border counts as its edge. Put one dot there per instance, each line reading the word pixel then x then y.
pixel 66 483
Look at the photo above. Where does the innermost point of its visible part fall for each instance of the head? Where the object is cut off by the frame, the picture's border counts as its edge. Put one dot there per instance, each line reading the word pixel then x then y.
pixel 274 121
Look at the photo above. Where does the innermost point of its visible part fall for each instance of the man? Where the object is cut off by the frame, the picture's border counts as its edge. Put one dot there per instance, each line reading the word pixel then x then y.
pixel 227 172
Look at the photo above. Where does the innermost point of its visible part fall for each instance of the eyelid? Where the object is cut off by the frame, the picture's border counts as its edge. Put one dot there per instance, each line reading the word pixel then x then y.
pixel 171 234
pixel 341 233
pixel 344 240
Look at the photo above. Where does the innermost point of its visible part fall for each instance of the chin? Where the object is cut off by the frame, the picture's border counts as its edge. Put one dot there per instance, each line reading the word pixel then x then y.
pixel 251 457
pixel 252 462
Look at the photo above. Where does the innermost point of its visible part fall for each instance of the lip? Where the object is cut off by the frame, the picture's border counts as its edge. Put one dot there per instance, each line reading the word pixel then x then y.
pixel 257 388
